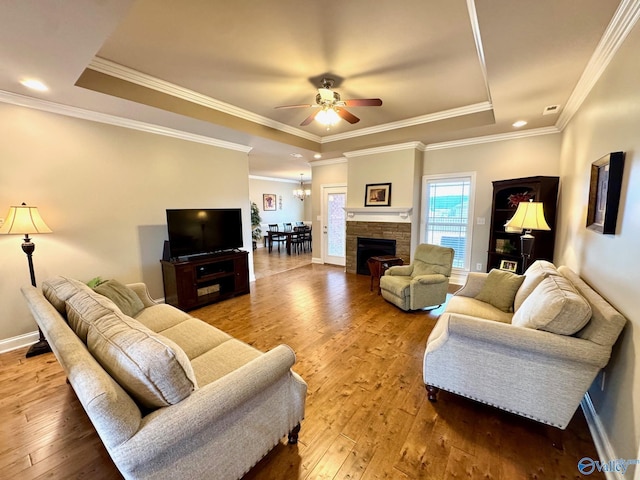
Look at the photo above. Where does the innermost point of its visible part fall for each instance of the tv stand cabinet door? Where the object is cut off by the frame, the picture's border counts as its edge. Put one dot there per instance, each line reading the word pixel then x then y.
pixel 241 268
pixel 180 288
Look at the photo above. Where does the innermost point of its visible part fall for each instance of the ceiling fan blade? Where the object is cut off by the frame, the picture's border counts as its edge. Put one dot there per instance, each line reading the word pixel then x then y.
pixel 310 118
pixel 363 102
pixel 348 116
pixel 305 105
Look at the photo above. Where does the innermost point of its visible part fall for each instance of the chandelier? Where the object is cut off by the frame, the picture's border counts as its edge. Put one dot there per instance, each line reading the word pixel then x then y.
pixel 301 193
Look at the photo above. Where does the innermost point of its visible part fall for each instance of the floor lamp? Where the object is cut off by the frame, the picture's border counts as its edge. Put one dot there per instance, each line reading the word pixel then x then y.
pixel 24 220
pixel 529 216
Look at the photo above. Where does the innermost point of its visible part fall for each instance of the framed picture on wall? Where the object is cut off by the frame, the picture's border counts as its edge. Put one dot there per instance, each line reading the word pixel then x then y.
pixel 269 202
pixel 377 195
pixel 604 193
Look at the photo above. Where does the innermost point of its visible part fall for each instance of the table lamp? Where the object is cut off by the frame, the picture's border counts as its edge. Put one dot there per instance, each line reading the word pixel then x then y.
pixel 25 220
pixel 529 216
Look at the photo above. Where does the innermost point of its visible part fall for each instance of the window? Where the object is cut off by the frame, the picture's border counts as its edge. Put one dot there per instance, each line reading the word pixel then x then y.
pixel 447 202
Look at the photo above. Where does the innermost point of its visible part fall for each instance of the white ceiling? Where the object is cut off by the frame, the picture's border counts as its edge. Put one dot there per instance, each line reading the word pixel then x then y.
pixel 445 69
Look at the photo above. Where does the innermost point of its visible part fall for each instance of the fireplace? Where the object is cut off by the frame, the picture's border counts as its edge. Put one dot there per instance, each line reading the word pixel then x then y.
pixel 372 247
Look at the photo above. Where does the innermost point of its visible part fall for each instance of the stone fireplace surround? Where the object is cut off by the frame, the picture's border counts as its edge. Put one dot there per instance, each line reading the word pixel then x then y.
pixel 398 231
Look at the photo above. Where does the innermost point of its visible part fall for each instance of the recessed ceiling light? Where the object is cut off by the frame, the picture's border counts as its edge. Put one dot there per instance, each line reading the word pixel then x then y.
pixel 296 155
pixel 34 84
pixel 317 156
pixel 519 123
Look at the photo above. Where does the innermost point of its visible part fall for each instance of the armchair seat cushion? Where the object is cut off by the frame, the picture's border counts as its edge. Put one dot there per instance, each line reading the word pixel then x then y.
pixel 398 286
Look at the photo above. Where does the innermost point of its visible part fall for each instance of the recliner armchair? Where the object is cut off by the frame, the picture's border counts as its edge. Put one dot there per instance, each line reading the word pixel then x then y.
pixel 422 284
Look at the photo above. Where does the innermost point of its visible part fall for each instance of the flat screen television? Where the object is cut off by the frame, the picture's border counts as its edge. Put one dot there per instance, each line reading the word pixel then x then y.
pixel 199 231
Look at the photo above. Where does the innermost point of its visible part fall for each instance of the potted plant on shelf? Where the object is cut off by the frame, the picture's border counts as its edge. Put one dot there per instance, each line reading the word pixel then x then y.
pixel 256 231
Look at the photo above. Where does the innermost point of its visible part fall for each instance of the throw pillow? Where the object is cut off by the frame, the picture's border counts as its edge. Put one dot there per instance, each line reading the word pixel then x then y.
pixel 537 271
pixel 554 306
pixel 154 370
pixel 59 289
pixel 84 308
pixel 126 299
pixel 500 289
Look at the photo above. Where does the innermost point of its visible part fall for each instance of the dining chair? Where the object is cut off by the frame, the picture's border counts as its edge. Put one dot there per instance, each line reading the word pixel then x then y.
pixel 274 237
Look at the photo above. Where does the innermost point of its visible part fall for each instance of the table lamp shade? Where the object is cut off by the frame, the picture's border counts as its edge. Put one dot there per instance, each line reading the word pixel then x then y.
pixel 528 216
pixel 24 220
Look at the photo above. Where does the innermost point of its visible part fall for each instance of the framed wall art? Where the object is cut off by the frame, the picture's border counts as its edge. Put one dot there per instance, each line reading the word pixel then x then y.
pixel 269 202
pixel 377 195
pixel 604 193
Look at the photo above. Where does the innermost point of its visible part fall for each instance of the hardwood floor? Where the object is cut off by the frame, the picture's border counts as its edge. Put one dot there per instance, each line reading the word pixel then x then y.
pixel 367 416
pixel 266 264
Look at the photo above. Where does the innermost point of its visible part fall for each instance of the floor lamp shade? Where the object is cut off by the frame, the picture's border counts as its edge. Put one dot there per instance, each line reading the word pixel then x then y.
pixel 24 220
pixel 529 216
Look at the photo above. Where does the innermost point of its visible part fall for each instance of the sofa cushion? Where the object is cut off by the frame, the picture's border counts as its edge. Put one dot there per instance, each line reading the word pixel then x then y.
pixel 500 289
pixel 151 368
pixel 57 290
pixel 161 316
pixel 475 308
pixel 224 359
pixel 126 299
pixel 196 337
pixel 554 306
pixel 537 271
pixel 85 307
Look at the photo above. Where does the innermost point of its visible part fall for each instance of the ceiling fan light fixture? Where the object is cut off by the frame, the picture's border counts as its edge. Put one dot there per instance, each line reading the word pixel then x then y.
pixel 328 117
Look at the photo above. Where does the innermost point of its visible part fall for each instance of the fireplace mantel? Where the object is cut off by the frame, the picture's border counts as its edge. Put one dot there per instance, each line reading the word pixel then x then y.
pixel 366 214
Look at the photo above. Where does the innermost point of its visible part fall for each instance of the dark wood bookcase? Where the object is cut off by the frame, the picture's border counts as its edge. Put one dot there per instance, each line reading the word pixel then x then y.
pixel 506 246
pixel 196 282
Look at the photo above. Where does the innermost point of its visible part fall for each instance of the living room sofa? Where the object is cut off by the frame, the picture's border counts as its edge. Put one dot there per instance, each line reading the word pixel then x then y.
pixel 169 395
pixel 531 345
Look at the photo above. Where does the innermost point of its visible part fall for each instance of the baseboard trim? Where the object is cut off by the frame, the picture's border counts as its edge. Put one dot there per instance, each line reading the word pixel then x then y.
pixel 20 341
pixel 600 437
pixel 317 260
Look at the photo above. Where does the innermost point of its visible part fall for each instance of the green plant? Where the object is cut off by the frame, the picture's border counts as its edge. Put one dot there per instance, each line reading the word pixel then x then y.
pixel 256 231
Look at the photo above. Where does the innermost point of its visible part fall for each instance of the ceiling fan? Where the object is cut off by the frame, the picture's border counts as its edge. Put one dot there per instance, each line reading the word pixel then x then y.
pixel 331 107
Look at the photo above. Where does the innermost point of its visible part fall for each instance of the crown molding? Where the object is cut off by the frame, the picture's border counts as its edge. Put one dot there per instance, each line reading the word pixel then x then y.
pixel 500 137
pixel 329 161
pixel 475 29
pixel 69 111
pixel 387 148
pixel 410 122
pixel 621 24
pixel 127 74
pixel 273 179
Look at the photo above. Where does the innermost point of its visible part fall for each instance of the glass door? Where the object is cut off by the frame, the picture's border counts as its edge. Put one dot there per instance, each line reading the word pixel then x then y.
pixel 334 224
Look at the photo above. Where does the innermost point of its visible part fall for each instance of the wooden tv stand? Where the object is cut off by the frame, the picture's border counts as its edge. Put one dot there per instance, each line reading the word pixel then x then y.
pixel 199 281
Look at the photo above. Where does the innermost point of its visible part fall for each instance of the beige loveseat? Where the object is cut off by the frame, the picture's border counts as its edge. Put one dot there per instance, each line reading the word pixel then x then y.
pixel 169 395
pixel 536 357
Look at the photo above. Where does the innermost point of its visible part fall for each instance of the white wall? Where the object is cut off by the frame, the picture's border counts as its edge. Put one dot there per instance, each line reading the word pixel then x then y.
pixel 103 190
pixel 516 158
pixel 608 121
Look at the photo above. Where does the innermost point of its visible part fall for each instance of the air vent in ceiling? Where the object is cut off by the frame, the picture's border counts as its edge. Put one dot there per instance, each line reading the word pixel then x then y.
pixel 551 109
